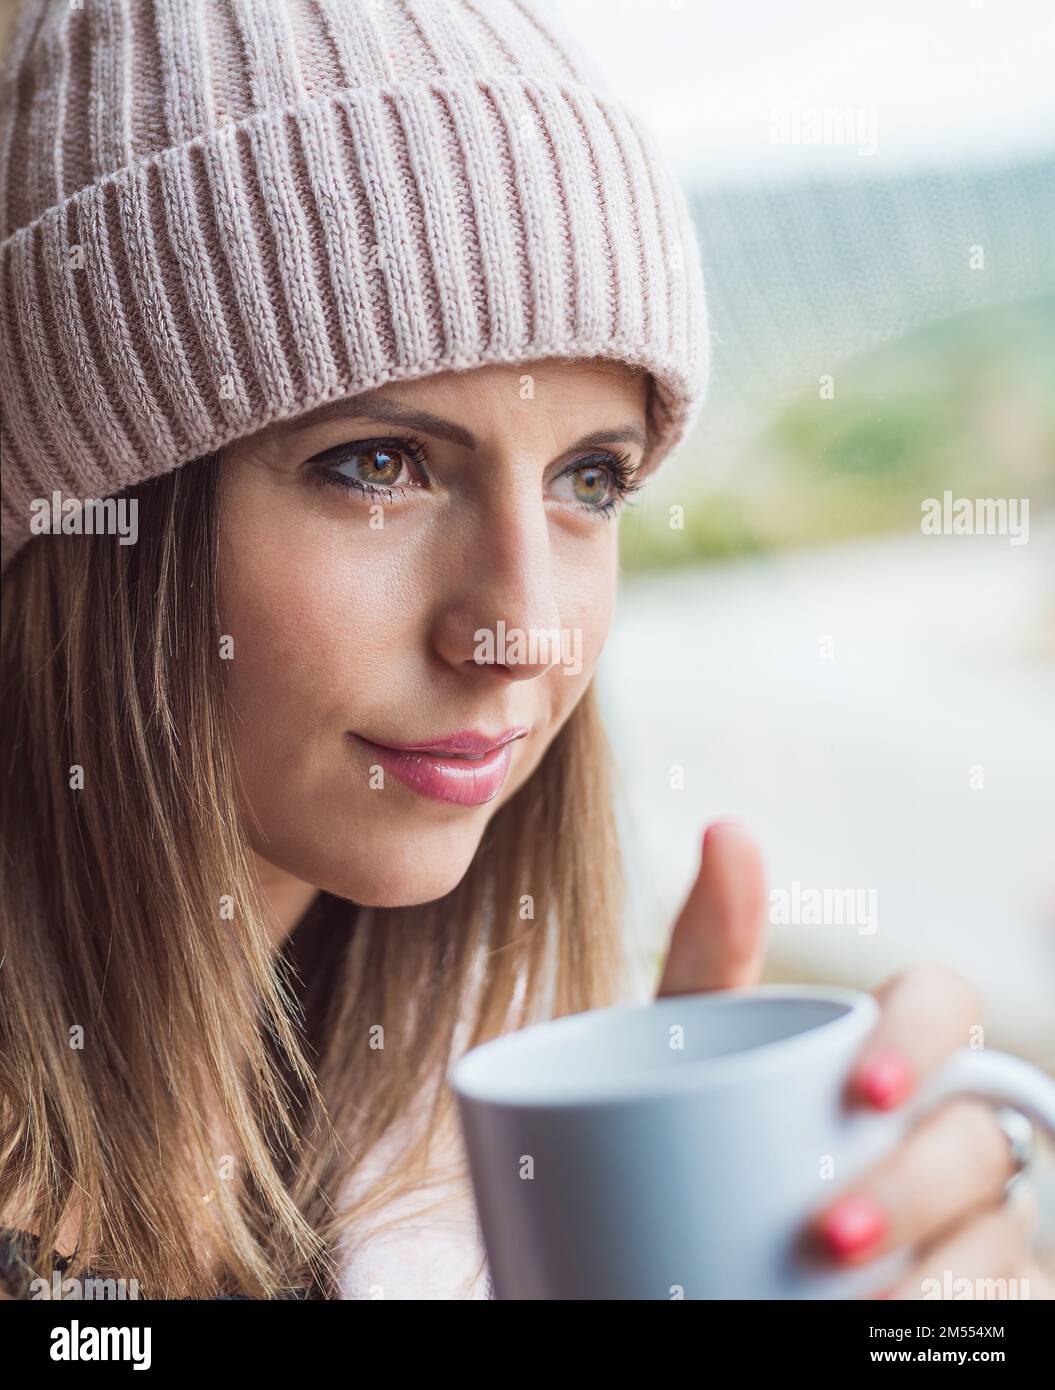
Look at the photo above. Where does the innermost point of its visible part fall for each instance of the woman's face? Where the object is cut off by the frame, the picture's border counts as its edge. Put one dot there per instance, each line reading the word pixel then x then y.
pixel 435 561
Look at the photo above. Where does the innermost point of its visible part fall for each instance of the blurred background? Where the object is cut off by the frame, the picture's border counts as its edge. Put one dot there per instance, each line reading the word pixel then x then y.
pixel 874 192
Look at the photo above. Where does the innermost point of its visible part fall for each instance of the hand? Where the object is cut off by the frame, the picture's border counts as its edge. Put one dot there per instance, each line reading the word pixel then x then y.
pixel 940 1192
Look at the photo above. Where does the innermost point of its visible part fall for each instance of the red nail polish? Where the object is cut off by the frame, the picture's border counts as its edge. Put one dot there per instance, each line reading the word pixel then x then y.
pixel 886 1080
pixel 853 1225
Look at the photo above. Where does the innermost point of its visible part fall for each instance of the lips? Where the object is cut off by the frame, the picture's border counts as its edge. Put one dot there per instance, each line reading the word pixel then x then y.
pixel 465 769
pixel 467 741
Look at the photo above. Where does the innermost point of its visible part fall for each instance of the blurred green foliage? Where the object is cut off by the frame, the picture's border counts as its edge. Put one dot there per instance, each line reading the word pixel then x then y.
pixel 966 404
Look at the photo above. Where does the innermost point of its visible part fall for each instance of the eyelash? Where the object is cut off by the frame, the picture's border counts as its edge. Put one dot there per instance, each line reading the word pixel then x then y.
pixel 624 481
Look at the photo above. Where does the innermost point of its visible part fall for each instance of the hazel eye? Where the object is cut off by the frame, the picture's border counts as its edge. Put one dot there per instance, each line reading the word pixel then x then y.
pixel 598 485
pixel 591 484
pixel 382 469
pixel 374 466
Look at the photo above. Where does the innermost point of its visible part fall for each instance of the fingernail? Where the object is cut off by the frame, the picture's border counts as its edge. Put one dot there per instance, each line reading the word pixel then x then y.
pixel 886 1079
pixel 853 1225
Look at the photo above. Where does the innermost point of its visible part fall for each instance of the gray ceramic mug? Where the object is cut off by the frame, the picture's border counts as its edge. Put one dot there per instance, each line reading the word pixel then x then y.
pixel 678 1148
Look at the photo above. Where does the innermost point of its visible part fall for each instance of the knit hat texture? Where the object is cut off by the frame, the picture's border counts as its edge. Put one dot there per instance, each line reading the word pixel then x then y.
pixel 215 214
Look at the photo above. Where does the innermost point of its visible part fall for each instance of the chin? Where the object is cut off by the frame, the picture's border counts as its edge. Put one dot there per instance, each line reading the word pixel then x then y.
pixel 393 893
pixel 406 880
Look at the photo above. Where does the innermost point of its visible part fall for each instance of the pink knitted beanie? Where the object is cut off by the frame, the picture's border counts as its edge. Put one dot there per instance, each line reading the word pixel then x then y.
pixel 219 213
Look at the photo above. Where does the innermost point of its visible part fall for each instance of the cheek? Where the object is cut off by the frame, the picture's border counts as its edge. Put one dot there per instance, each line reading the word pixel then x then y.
pixel 586 587
pixel 585 593
pixel 316 617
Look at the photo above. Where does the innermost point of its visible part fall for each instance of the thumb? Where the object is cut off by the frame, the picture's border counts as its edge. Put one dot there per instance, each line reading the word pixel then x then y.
pixel 719 939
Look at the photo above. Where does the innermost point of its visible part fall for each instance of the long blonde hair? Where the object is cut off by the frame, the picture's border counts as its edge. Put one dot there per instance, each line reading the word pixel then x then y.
pixel 198 1098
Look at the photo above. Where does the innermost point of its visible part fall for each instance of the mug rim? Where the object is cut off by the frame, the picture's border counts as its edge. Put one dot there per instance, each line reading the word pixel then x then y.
pixel 861 1012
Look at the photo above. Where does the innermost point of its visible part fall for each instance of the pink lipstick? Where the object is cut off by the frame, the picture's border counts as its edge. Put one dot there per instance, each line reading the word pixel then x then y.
pixel 466 768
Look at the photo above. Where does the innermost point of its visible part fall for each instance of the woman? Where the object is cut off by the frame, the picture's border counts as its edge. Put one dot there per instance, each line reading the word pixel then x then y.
pixel 373 316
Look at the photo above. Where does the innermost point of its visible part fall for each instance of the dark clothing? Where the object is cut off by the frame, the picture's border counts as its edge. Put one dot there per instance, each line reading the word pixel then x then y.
pixel 20 1253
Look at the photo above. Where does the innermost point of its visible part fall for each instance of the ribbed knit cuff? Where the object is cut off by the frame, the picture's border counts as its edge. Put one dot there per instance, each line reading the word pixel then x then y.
pixel 376 235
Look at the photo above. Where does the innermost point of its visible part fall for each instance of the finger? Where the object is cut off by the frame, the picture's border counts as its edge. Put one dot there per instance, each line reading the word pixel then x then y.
pixel 986 1258
pixel 719 939
pixel 927 1012
pixel 955 1161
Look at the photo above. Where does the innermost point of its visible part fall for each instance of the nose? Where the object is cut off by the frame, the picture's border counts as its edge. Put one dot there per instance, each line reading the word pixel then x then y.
pixel 499 610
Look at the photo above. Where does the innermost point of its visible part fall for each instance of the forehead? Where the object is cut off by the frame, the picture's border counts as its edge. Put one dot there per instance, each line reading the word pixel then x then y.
pixel 605 395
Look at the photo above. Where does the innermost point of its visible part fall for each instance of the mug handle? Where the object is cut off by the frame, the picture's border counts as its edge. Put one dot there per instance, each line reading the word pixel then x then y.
pixel 999 1077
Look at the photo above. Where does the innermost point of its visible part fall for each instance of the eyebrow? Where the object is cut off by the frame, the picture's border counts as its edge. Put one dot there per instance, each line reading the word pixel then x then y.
pixel 371 405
